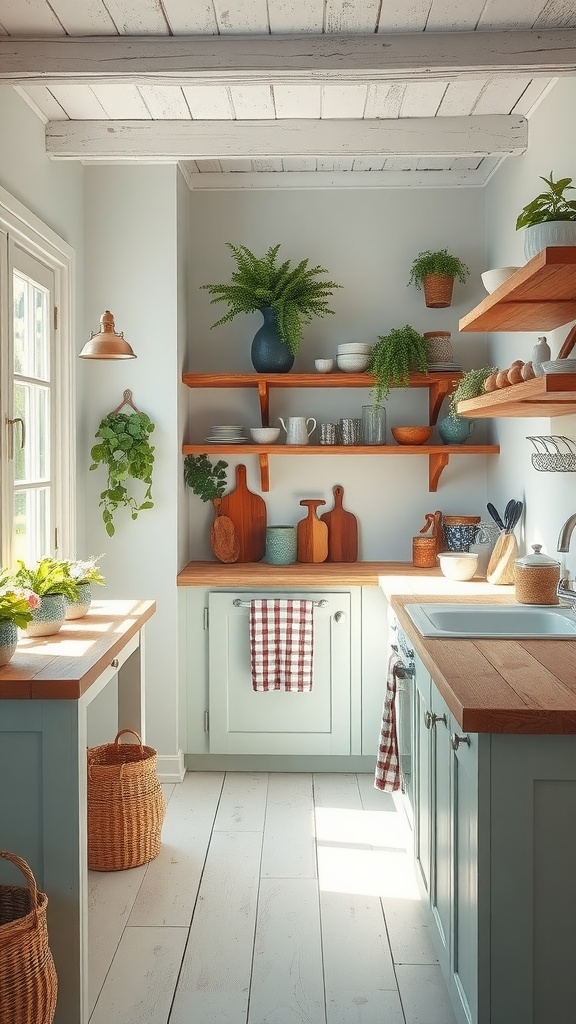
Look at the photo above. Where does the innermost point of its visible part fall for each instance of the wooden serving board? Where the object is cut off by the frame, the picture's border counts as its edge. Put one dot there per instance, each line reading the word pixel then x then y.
pixel 312 534
pixel 223 539
pixel 248 514
pixel 342 530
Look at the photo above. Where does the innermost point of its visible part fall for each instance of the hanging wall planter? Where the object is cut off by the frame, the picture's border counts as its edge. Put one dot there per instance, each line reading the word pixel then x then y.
pixel 435 273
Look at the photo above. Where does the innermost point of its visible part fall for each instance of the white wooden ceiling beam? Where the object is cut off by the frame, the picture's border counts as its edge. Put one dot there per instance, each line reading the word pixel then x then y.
pixel 209 140
pixel 228 59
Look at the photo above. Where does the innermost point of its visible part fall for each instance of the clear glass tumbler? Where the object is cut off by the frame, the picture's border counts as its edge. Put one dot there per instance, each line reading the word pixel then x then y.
pixel 373 424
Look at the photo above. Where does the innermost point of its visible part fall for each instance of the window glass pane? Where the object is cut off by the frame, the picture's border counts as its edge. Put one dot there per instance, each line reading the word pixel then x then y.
pixel 31 328
pixel 31 524
pixel 32 405
pixel 41 334
pixel 19 307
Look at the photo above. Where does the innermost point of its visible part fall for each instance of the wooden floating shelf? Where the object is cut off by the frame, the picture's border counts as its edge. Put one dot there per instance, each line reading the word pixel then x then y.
pixel 553 394
pixel 438 455
pixel 541 296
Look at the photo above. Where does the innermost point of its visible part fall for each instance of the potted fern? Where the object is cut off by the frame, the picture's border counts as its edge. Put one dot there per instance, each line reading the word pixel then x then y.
pixel 550 219
pixel 393 357
pixel 50 579
pixel 287 296
pixel 435 273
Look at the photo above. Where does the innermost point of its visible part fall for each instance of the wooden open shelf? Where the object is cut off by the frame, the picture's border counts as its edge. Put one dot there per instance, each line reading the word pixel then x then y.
pixel 554 394
pixel 541 296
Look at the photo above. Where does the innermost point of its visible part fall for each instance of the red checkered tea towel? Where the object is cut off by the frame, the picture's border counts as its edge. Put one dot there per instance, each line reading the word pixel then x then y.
pixel 281 644
pixel 387 776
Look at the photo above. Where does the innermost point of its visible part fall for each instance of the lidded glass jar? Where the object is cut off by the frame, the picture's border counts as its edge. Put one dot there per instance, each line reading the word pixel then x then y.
pixel 536 578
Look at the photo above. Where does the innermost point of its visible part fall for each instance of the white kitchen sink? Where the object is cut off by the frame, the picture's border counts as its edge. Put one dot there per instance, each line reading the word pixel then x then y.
pixel 514 622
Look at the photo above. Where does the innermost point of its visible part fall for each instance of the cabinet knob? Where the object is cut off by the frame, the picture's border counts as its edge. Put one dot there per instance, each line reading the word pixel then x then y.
pixel 114 663
pixel 456 740
pixel 339 616
pixel 430 719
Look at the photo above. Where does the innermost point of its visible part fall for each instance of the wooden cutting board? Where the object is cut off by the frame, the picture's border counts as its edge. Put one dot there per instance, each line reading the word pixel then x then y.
pixel 223 539
pixel 312 534
pixel 501 565
pixel 248 514
pixel 342 530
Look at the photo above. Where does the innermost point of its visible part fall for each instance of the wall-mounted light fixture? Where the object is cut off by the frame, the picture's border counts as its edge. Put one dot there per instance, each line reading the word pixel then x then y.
pixel 107 344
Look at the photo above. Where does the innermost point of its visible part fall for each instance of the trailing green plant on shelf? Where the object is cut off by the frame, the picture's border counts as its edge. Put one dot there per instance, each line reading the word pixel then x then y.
pixel 124 449
pixel 470 385
pixel 49 576
pixel 394 356
pixel 440 262
pixel 293 292
pixel 550 205
pixel 207 479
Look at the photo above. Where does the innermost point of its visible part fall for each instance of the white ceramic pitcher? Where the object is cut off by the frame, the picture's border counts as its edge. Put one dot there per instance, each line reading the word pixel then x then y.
pixel 297 431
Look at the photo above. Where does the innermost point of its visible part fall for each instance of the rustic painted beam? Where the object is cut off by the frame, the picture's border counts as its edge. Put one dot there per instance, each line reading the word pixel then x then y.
pixel 214 60
pixel 200 140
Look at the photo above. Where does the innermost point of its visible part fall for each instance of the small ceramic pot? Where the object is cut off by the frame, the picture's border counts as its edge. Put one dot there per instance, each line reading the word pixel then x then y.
pixel 8 640
pixel 455 429
pixel 460 537
pixel 281 546
pixel 48 618
pixel 77 609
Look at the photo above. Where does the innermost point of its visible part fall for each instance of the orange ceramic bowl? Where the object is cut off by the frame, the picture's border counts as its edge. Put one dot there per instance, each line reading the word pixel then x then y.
pixel 411 435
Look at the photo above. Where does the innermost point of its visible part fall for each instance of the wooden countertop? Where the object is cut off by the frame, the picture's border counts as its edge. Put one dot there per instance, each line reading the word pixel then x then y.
pixel 300 574
pixel 65 665
pixel 498 686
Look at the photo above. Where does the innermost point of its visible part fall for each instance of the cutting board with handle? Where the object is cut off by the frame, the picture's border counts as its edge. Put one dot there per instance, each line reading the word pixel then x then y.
pixel 342 530
pixel 248 514
pixel 501 565
pixel 312 534
pixel 223 539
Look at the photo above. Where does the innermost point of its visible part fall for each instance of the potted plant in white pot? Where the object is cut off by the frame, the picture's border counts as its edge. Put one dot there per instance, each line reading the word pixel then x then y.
pixel 84 573
pixel 550 219
pixel 51 580
pixel 16 607
pixel 288 297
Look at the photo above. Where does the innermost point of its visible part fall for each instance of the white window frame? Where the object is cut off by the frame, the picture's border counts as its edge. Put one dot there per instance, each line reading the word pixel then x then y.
pixel 32 235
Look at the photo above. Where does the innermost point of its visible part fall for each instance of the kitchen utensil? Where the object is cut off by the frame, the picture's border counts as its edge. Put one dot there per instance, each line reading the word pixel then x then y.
pixel 350 429
pixel 492 279
pixel 411 435
pixel 312 534
pixel 455 429
pixel 223 539
pixel 536 577
pixel 280 545
pixel 265 435
pixel 353 362
pixel 458 565
pixel 248 514
pixel 324 365
pixel 501 564
pixel 512 514
pixel 373 424
pixel 297 431
pixel 327 433
pixel 342 530
pixel 495 515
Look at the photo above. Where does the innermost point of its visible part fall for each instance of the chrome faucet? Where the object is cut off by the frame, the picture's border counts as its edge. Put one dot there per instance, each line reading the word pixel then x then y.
pixel 564 589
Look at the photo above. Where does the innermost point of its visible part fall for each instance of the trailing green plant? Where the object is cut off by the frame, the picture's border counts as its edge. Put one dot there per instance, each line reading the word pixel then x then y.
pixel 207 479
pixel 549 205
pixel 470 385
pixel 440 262
pixel 48 576
pixel 393 357
pixel 294 293
pixel 124 448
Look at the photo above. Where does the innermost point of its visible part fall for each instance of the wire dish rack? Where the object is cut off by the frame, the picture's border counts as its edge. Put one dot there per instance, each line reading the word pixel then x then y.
pixel 554 453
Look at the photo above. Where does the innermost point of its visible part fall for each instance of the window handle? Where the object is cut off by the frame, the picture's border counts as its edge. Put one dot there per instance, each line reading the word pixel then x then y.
pixel 11 423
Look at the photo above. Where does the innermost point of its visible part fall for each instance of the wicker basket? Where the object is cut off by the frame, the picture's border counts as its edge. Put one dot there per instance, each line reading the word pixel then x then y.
pixel 28 984
pixel 125 805
pixel 438 290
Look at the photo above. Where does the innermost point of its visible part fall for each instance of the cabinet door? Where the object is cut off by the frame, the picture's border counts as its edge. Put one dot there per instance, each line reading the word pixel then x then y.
pixel 244 721
pixel 465 872
pixel 421 766
pixel 441 853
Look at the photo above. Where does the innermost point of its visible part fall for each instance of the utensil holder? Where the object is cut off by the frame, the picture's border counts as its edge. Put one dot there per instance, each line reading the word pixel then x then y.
pixel 281 548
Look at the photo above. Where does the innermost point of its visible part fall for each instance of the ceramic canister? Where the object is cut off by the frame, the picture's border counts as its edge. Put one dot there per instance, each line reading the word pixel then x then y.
pixel 281 546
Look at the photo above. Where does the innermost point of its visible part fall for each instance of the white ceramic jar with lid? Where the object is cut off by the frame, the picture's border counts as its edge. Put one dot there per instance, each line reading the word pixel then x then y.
pixel 536 578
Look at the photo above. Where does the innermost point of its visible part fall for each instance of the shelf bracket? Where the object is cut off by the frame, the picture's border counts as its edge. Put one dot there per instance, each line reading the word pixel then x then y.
pixel 264 396
pixel 437 462
pixel 436 395
pixel 264 472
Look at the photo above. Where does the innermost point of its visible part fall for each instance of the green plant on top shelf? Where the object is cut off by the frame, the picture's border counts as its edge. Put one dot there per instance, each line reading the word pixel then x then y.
pixel 393 357
pixel 550 205
pixel 470 385
pixel 440 262
pixel 207 479
pixel 293 292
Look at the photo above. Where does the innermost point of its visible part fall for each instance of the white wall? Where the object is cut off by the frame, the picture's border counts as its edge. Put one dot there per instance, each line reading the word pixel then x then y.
pixel 549 497
pixel 367 240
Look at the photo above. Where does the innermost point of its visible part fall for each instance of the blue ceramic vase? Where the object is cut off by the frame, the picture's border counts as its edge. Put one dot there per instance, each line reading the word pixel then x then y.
pixel 455 429
pixel 269 354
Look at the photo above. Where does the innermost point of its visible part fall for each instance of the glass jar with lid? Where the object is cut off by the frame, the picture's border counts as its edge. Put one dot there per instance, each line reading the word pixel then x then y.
pixel 536 578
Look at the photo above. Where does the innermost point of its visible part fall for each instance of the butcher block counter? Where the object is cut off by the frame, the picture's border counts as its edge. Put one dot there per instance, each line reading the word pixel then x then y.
pixel 45 693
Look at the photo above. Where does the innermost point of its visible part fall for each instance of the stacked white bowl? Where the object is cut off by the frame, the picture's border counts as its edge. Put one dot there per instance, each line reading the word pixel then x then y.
pixel 353 357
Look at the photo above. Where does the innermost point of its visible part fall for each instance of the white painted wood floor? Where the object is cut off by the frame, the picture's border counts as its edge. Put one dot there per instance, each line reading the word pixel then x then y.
pixel 276 899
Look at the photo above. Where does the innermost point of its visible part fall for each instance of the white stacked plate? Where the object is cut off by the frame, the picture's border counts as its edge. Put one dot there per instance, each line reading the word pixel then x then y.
pixel 444 366
pixel 354 348
pixel 227 434
pixel 559 366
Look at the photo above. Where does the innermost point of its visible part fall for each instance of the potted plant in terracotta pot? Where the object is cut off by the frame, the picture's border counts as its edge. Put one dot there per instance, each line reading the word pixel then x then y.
pixel 287 296
pixel 435 273
pixel 52 582
pixel 550 219
pixel 394 356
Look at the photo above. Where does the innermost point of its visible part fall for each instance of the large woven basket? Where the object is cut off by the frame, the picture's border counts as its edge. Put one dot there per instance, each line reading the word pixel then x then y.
pixel 438 290
pixel 28 984
pixel 125 805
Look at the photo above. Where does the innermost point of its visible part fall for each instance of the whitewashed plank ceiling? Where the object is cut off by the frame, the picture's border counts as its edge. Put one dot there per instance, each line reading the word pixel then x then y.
pixel 421 91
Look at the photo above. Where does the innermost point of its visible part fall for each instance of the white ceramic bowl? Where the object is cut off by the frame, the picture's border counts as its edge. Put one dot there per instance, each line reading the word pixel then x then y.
pixel 265 435
pixel 324 365
pixel 353 363
pixel 492 279
pixel 353 348
pixel 458 565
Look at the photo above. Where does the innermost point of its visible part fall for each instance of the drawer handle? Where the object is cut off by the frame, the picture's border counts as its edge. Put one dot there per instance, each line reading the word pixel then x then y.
pixel 456 740
pixel 339 616
pixel 430 719
pixel 115 663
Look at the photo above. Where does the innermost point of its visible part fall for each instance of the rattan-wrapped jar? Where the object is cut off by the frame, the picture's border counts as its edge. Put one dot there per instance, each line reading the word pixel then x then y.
pixel 536 578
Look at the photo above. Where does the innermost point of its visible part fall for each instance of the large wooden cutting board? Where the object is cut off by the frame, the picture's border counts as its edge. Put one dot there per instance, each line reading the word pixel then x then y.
pixel 342 530
pixel 248 514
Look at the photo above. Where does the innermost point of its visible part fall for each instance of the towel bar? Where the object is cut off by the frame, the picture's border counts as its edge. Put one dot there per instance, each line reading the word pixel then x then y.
pixel 238 603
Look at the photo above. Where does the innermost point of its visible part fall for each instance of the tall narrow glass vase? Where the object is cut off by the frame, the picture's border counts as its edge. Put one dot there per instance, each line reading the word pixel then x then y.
pixel 269 354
